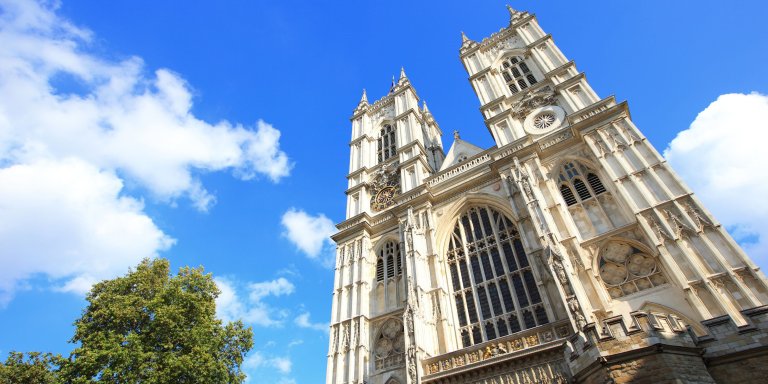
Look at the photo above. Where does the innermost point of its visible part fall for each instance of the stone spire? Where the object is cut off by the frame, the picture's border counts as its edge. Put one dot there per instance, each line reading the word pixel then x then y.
pixel 513 13
pixel 402 74
pixel 466 42
pixel 363 104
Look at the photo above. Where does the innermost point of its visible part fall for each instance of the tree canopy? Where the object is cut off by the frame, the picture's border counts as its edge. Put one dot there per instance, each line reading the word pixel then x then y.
pixel 149 327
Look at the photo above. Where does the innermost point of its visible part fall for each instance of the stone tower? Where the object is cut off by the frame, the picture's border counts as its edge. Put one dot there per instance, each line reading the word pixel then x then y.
pixel 568 252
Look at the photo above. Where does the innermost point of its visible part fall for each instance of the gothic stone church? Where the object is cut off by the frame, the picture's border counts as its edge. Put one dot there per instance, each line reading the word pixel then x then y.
pixel 570 252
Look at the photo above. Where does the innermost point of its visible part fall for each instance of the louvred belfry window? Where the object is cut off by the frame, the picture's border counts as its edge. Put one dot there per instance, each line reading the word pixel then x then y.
pixel 592 207
pixel 585 183
pixel 387 145
pixel 494 289
pixel 517 74
pixel 390 261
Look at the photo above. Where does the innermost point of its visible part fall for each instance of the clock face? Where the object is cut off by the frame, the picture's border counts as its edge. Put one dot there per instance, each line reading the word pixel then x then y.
pixel 384 199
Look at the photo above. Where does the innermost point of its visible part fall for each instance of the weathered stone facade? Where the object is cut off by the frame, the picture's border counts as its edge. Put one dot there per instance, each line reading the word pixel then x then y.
pixel 570 252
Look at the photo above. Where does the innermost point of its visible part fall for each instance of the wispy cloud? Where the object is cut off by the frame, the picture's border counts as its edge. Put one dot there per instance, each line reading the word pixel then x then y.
pixel 258 361
pixel 303 321
pixel 250 306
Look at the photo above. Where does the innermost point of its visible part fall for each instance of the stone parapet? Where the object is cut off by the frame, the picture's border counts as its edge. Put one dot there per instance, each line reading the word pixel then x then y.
pixel 652 347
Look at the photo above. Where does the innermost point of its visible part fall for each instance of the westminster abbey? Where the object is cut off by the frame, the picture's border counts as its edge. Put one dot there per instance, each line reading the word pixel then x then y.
pixel 569 252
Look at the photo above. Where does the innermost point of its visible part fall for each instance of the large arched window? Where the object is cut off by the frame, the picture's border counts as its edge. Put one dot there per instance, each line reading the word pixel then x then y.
pixel 494 289
pixel 593 208
pixel 517 74
pixel 387 144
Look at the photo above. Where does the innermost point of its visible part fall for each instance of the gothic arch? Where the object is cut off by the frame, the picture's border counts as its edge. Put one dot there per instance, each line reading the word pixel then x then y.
pixel 377 247
pixel 586 195
pixel 625 267
pixel 653 307
pixel 491 278
pixel 557 165
pixel 386 140
pixel 503 54
pixel 452 212
pixel 387 280
pixel 637 244
pixel 388 343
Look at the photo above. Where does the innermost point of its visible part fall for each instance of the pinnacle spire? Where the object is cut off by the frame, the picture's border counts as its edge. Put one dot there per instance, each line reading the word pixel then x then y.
pixel 364 99
pixel 424 106
pixel 402 74
pixel 513 13
pixel 464 37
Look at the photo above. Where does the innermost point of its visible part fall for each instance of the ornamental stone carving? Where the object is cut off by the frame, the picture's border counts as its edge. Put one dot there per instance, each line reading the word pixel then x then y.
pixel 532 100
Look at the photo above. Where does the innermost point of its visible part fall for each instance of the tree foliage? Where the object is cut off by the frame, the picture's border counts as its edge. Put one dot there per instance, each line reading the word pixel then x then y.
pixel 36 368
pixel 148 327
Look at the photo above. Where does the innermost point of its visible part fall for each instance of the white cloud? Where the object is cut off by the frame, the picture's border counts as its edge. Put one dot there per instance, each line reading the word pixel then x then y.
pixel 311 234
pixel 76 127
pixel 67 220
pixel 303 321
pixel 277 287
pixel 257 361
pixel 251 307
pixel 723 157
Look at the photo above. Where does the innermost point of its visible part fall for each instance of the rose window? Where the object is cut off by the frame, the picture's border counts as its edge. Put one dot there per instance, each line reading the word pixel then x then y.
pixel 626 269
pixel 390 345
pixel 544 120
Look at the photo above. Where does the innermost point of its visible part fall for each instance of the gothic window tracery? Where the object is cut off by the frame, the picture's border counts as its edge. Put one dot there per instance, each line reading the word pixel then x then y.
pixel 625 269
pixel 389 345
pixel 495 292
pixel 389 263
pixel 517 74
pixel 591 205
pixel 387 144
pixel 389 287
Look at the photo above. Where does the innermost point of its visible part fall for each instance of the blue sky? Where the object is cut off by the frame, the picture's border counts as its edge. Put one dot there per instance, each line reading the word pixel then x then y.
pixel 215 134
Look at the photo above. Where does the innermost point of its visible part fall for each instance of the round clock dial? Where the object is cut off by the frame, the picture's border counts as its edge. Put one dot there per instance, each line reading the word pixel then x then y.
pixel 384 199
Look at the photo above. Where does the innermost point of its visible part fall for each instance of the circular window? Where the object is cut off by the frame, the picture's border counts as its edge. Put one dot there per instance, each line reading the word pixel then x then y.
pixel 391 339
pixel 625 269
pixel 544 120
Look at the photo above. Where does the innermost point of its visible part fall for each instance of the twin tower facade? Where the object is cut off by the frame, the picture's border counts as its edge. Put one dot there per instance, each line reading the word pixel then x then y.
pixel 570 252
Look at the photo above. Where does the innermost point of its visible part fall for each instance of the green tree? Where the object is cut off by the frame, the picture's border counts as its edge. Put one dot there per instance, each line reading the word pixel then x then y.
pixel 148 327
pixel 36 368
